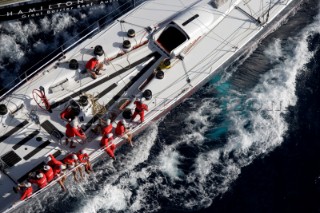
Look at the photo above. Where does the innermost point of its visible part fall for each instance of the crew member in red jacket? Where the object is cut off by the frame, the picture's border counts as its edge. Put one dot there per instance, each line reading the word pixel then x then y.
pixel 55 165
pixel 67 114
pixel 40 180
pixel 83 157
pixel 27 191
pixel 139 110
pixel 72 130
pixel 107 129
pixel 122 131
pixel 71 160
pixel 110 147
pixel 48 172
pixel 93 67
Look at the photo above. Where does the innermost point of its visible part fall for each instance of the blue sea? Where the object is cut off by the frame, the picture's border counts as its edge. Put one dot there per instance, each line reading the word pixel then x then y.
pixel 247 141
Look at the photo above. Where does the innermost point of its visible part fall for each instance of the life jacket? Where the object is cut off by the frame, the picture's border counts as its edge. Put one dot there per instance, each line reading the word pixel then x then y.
pixel 83 157
pixel 27 193
pixel 120 129
pixel 54 162
pixel 91 64
pixel 66 114
pixel 56 170
pixel 49 174
pixel 107 129
pixel 140 106
pixel 110 150
pixel 42 182
pixel 69 160
pixel 72 131
pixel 104 141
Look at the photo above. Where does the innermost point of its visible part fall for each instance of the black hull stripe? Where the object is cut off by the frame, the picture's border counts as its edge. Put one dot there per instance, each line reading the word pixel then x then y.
pixel 12 131
pixel 26 139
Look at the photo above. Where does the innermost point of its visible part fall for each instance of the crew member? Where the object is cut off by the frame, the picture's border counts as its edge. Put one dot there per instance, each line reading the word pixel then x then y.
pixel 107 129
pixel 139 110
pixel 72 130
pixel 71 160
pixel 104 127
pixel 40 180
pixel 110 147
pixel 27 191
pixel 83 157
pixel 121 131
pixel 93 67
pixel 48 172
pixel 55 164
pixel 67 114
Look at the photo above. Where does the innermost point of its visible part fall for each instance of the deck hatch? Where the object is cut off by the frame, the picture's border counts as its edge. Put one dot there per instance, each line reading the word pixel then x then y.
pixel 10 158
pixel 52 130
pixel 171 37
pixel 25 140
pixel 12 131
pixel 36 150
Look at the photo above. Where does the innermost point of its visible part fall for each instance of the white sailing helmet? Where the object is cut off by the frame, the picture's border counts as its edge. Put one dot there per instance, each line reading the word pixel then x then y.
pixel 109 135
pixel 27 184
pixel 46 167
pixel 63 167
pixel 40 175
pixel 74 157
pixel 82 151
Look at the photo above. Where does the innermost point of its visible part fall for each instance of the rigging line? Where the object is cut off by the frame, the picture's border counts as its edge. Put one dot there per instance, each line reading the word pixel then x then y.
pixel 185 69
pixel 123 21
pixel 110 62
pixel 215 51
pixel 268 12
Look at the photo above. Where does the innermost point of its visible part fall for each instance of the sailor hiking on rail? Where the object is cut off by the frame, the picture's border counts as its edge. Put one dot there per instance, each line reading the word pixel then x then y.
pixel 110 147
pixel 139 110
pixel 122 131
pixel 40 180
pixel 25 189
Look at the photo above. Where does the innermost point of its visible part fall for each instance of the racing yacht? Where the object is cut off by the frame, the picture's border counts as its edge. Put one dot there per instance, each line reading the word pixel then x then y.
pixel 160 53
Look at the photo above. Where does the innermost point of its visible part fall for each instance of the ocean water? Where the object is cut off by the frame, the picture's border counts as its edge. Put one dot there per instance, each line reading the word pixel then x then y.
pixel 247 141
